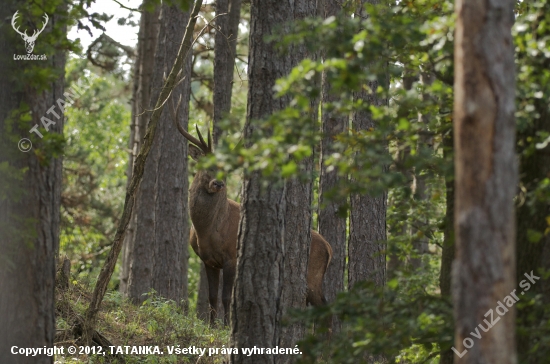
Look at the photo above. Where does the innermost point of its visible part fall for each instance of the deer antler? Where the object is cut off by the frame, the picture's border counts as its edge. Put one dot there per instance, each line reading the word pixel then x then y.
pixel 206 148
pixel 37 32
pixel 13 24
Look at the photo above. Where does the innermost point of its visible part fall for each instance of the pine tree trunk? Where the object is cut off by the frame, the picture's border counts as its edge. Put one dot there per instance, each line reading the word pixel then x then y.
pixel 225 50
pixel 255 308
pixel 30 195
pixel 147 40
pixel 160 254
pixel 448 251
pixel 366 248
pixel 224 58
pixel 298 214
pixel 485 180
pixel 394 264
pixel 532 252
pixel 331 224
pixel 420 243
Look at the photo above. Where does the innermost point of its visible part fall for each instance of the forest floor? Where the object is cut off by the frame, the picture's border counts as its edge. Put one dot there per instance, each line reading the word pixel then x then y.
pixel 157 323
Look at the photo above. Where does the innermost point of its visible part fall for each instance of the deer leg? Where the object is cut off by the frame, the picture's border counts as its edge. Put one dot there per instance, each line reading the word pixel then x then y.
pixel 213 276
pixel 228 278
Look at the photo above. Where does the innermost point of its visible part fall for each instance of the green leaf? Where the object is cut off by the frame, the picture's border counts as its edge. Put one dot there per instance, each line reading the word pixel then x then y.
pixel 289 169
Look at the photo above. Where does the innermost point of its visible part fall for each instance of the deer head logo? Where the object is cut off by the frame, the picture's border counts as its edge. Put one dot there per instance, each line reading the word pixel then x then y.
pixel 29 40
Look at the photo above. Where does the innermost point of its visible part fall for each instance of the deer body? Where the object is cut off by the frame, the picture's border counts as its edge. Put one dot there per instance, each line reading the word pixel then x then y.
pixel 214 235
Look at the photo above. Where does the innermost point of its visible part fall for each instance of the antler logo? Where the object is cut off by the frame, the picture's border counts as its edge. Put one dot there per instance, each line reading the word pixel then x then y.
pixel 29 40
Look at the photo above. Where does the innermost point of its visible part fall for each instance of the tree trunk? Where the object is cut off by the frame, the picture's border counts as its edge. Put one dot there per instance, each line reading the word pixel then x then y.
pixel 448 251
pixel 255 308
pixel 332 225
pixel 366 249
pixel 160 254
pixel 532 218
pixel 31 186
pixel 485 180
pixel 421 244
pixel 298 214
pixel 394 264
pixel 147 39
pixel 224 59
pixel 169 276
pixel 224 62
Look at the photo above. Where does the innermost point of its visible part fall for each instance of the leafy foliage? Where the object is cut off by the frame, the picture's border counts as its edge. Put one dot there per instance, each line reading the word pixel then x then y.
pixel 94 165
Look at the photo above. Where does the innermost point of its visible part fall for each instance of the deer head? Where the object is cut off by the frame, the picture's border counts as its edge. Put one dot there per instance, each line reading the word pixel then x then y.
pixel 29 40
pixel 205 178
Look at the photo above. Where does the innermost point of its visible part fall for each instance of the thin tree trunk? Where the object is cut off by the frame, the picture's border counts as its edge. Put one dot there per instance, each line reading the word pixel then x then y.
pixel 448 251
pixel 394 264
pixel 332 225
pixel 255 308
pixel 421 244
pixel 224 59
pixel 485 180
pixel 30 195
pixel 147 39
pixel 532 220
pixel 366 249
pixel 224 62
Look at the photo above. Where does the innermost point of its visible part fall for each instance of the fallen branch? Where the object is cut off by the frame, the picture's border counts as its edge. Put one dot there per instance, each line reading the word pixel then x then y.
pixel 88 329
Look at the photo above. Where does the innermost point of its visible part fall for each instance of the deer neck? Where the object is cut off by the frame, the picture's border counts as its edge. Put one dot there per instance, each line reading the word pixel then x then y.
pixel 208 211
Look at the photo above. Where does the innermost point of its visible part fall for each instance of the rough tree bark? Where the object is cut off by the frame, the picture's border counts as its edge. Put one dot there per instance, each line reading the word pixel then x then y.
pixel 331 225
pixel 298 213
pixel 30 203
pixel 169 275
pixel 366 251
pixel 485 179
pixel 448 251
pixel 532 254
pixel 224 59
pixel 255 308
pixel 225 49
pixel 160 254
pixel 147 40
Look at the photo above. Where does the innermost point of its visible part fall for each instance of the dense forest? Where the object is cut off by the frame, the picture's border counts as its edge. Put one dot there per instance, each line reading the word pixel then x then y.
pixel 306 181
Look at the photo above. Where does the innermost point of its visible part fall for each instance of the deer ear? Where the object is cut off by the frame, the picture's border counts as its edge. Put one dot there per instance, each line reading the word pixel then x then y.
pixel 195 152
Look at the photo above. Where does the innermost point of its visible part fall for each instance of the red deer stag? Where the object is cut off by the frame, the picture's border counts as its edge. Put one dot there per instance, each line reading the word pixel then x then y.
pixel 214 234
